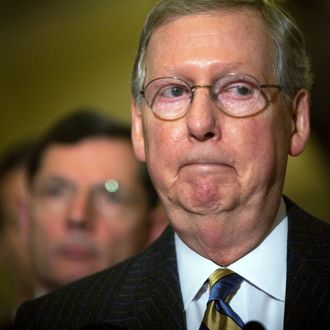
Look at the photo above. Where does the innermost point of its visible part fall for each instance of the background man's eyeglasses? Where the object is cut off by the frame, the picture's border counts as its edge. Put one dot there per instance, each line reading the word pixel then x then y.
pixel 108 199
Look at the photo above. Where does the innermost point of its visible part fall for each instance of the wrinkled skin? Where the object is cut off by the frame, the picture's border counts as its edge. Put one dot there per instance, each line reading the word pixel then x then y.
pixel 220 178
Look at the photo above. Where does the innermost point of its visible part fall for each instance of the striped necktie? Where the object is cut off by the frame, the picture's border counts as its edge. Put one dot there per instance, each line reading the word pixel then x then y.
pixel 219 315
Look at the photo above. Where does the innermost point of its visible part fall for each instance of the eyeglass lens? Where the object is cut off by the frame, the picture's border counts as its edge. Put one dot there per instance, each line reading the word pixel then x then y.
pixel 235 94
pixel 57 196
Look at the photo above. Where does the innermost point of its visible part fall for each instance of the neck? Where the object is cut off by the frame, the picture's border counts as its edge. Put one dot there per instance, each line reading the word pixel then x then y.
pixel 42 289
pixel 227 237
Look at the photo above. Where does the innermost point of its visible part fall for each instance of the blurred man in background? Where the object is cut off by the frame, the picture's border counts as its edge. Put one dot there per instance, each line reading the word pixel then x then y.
pixel 91 200
pixel 16 276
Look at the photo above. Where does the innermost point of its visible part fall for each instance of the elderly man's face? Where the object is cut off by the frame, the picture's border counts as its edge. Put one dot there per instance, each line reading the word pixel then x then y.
pixel 208 163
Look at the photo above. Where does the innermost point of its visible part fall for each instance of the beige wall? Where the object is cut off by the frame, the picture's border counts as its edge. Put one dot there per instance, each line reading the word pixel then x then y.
pixel 58 55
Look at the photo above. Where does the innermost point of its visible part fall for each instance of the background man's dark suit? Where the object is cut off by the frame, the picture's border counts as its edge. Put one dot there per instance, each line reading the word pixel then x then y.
pixel 144 292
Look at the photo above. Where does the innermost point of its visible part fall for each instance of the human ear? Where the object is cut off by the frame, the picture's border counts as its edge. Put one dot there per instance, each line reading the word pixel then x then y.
pixel 300 122
pixel 137 131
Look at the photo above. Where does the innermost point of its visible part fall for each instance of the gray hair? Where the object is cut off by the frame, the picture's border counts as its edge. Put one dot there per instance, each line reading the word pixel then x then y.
pixel 292 67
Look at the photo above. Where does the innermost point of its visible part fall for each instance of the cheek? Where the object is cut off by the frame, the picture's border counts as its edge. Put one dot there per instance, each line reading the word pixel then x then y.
pixel 162 132
pixel 164 141
pixel 123 231
pixel 263 144
pixel 46 229
pixel 117 242
pixel 109 231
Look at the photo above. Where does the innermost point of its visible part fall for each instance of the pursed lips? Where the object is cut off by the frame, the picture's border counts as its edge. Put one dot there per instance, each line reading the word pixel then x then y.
pixel 76 252
pixel 205 169
pixel 206 162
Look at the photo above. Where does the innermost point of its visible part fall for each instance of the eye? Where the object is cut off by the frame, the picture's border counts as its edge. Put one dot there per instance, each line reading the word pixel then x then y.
pixel 240 89
pixel 111 197
pixel 235 88
pixel 54 191
pixel 172 91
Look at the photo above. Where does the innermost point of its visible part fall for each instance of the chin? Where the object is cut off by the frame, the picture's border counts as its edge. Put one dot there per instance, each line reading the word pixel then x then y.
pixel 75 274
pixel 204 206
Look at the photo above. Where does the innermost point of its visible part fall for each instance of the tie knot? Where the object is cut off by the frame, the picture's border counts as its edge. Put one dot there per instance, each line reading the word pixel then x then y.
pixel 223 282
pixel 219 315
pixel 218 275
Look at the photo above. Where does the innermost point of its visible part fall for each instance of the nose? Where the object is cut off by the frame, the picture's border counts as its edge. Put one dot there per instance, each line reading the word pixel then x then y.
pixel 78 215
pixel 203 116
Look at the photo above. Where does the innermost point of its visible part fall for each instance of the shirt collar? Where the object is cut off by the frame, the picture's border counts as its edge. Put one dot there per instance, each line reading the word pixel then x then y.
pixel 264 266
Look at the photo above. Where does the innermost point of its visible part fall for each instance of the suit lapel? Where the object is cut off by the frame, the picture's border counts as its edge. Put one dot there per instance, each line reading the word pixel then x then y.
pixel 151 297
pixel 163 308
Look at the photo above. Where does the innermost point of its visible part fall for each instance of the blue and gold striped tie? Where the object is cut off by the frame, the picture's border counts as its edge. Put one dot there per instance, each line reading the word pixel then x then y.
pixel 219 315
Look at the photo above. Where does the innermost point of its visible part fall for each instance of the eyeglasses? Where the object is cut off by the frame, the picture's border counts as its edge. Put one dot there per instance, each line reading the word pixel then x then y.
pixel 237 95
pixel 109 199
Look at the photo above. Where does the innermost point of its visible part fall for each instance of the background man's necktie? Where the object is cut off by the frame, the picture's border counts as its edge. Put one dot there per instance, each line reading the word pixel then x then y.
pixel 219 315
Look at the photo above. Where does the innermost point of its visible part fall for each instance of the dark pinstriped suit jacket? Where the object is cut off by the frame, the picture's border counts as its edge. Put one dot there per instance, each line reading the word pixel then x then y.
pixel 144 293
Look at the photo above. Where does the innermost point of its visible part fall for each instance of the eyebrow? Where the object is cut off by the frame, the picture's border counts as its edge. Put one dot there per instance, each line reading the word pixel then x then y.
pixel 56 179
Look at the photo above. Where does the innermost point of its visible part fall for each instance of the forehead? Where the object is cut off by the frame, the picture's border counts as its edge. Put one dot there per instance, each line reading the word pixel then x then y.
pixel 91 160
pixel 230 39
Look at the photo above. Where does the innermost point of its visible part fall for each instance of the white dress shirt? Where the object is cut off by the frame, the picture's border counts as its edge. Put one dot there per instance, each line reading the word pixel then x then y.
pixel 261 296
